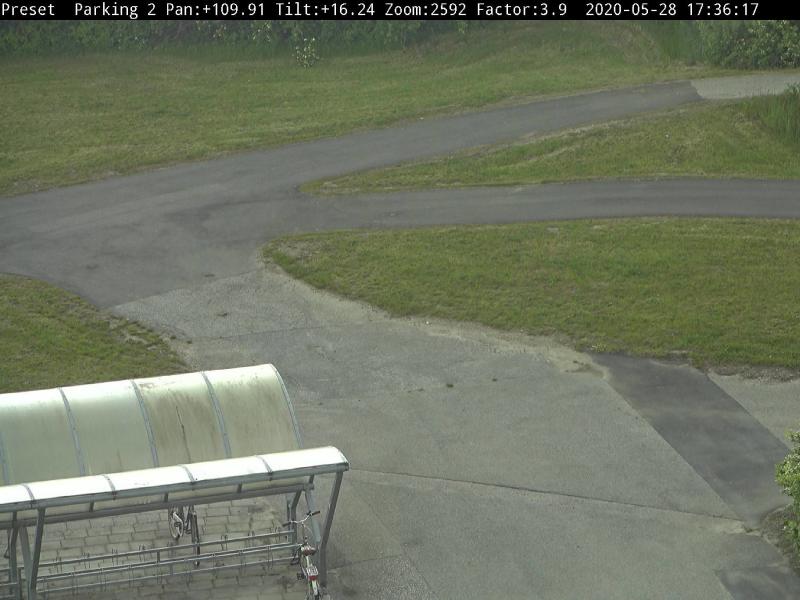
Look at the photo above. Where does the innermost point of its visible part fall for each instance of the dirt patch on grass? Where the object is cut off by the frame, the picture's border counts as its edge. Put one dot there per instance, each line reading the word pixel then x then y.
pixel 770 374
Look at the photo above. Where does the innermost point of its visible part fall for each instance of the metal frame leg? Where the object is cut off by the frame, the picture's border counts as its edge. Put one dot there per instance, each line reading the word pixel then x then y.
pixel 311 505
pixel 31 558
pixel 292 509
pixel 12 562
pixel 191 517
pixel 326 531
pixel 26 555
pixel 293 506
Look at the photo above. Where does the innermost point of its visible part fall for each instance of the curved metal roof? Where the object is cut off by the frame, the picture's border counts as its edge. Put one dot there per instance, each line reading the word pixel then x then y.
pixel 124 426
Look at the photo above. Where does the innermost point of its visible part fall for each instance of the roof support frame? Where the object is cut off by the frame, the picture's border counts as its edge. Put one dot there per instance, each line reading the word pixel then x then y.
pixel 30 556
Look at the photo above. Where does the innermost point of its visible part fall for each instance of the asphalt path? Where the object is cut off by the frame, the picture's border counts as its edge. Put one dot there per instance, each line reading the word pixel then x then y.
pixel 175 227
pixel 485 465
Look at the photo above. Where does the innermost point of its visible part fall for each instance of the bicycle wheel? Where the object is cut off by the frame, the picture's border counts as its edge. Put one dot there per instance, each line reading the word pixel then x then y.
pixel 176 520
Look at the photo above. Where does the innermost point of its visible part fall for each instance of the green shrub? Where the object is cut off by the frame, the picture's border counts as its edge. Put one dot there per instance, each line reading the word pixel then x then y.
pixel 305 52
pixel 787 474
pixel 751 44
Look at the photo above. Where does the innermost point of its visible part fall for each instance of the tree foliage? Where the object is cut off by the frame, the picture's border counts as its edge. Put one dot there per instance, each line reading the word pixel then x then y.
pixel 740 44
pixel 788 476
pixel 751 44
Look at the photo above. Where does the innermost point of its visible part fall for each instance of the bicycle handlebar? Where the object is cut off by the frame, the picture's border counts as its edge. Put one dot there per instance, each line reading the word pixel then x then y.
pixel 309 514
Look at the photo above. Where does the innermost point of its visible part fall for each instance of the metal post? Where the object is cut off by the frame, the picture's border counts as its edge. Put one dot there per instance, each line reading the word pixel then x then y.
pixel 37 554
pixel 31 558
pixel 295 502
pixel 293 513
pixel 12 557
pixel 26 554
pixel 311 505
pixel 326 532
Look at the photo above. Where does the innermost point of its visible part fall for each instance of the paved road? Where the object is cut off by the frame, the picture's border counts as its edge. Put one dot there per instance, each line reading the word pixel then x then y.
pixel 176 226
pixel 486 465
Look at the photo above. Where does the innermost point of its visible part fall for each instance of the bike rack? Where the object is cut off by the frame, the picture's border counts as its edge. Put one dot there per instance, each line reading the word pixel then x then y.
pixel 235 402
pixel 34 505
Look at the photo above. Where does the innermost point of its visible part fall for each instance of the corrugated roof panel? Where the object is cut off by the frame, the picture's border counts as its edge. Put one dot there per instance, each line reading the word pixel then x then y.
pixel 255 409
pixel 111 428
pixel 37 437
pixel 124 426
pixel 184 424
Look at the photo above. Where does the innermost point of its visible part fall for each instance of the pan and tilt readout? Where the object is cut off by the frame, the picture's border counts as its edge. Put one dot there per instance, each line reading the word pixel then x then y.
pixel 287 10
pixel 431 9
pixel 385 9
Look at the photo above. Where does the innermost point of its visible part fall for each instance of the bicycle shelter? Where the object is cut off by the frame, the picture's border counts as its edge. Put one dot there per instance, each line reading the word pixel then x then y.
pixel 133 446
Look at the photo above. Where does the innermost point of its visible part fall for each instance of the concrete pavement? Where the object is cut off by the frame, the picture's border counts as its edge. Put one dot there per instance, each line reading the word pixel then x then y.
pixel 730 88
pixel 486 465
pixel 726 445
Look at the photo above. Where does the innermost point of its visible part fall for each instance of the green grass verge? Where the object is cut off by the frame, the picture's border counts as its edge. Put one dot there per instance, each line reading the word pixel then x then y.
pixel 680 40
pixel 69 119
pixel 49 337
pixel 781 114
pixel 707 140
pixel 719 292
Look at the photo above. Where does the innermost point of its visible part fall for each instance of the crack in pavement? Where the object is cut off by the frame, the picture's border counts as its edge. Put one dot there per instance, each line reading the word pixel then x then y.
pixel 545 492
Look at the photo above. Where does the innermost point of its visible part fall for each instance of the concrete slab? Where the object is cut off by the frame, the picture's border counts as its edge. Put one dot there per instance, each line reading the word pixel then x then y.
pixel 776 404
pixel 729 448
pixel 755 584
pixel 478 542
pixel 380 579
pixel 746 86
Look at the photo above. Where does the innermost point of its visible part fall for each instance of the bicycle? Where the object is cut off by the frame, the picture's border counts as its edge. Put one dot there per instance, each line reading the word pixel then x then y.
pixel 302 556
pixel 181 520
pixel 184 520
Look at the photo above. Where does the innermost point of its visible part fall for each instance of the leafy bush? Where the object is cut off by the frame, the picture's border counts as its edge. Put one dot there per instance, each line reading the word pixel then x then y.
pixel 787 474
pixel 305 52
pixel 751 44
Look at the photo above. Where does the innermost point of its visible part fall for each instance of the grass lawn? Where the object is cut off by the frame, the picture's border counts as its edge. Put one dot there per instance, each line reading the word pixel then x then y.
pixel 65 119
pixel 49 338
pixel 718 292
pixel 706 140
